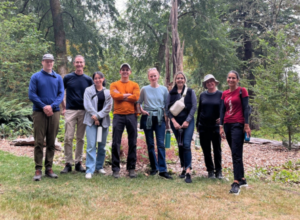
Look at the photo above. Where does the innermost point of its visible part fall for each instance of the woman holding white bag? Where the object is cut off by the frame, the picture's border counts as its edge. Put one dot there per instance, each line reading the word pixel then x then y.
pixel 181 114
pixel 97 103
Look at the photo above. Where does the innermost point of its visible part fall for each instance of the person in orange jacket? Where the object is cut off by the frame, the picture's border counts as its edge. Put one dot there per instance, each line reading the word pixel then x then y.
pixel 125 94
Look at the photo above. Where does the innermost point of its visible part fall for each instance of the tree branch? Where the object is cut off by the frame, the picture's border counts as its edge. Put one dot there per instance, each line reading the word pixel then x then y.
pixel 157 38
pixel 73 21
pixel 43 18
pixel 48 31
pixel 183 14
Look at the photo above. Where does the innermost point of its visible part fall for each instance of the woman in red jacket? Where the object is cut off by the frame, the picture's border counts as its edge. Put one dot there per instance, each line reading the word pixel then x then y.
pixel 234 116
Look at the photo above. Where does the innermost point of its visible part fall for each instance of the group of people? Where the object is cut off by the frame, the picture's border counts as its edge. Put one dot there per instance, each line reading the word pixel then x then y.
pixel 88 103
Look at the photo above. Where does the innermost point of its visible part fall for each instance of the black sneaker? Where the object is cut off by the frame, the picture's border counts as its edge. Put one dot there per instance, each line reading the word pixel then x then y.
pixel 235 188
pixel 165 175
pixel 153 172
pixel 211 174
pixel 67 169
pixel 219 174
pixel 37 175
pixel 116 174
pixel 188 178
pixel 182 175
pixel 132 173
pixel 243 183
pixel 79 167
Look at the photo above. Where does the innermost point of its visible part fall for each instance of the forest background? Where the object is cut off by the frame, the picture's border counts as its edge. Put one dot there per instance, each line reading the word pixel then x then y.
pixel 258 38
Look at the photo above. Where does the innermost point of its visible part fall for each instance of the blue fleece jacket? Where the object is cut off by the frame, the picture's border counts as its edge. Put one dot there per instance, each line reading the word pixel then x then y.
pixel 46 89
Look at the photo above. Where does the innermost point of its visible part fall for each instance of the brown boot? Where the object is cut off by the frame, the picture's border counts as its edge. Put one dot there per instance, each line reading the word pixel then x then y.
pixel 49 173
pixel 38 175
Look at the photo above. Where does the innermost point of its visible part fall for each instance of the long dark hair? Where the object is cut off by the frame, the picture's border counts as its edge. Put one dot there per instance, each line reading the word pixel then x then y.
pixel 101 76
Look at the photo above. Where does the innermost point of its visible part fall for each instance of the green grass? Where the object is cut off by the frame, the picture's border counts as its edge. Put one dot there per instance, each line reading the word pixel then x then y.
pixel 71 196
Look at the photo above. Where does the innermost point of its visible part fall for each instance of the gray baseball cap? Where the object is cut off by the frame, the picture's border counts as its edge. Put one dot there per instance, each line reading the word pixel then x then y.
pixel 48 56
pixel 125 64
pixel 208 77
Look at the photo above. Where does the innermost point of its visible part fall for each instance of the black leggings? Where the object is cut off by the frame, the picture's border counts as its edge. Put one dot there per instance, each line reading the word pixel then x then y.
pixel 235 138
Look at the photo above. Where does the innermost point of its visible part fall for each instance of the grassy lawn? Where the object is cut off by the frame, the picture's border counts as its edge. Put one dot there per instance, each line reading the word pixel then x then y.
pixel 103 197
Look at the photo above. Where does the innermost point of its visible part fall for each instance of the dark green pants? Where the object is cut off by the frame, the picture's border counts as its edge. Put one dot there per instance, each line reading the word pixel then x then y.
pixel 44 127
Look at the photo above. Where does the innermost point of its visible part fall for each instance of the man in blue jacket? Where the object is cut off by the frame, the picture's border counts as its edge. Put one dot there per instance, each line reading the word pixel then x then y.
pixel 46 91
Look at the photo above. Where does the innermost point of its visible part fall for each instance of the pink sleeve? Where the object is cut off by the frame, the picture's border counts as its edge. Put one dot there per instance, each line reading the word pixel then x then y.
pixel 244 92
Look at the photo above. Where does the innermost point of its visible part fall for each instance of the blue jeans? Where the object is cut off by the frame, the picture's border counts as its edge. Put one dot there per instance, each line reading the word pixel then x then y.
pixel 91 161
pixel 159 163
pixel 185 153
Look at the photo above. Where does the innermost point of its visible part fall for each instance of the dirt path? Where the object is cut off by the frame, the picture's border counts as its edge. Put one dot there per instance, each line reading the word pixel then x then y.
pixel 254 156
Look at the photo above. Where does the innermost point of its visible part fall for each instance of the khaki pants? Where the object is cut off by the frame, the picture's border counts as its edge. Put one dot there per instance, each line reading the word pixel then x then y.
pixel 73 117
pixel 44 126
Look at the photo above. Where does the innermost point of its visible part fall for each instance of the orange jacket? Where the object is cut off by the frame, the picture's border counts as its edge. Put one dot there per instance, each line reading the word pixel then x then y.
pixel 120 106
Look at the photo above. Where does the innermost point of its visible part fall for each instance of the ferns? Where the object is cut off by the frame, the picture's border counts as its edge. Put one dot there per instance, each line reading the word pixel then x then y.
pixel 14 118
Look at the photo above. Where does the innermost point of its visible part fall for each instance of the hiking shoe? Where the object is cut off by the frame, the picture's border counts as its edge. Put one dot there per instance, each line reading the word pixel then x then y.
pixel 37 175
pixel 188 178
pixel 67 169
pixel 219 174
pixel 211 174
pixel 116 174
pixel 49 173
pixel 153 172
pixel 88 176
pixel 235 188
pixel 79 167
pixel 165 175
pixel 101 171
pixel 132 173
pixel 243 183
pixel 182 175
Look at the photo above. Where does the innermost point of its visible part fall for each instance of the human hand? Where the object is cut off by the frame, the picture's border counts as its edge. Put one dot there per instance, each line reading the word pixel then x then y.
pixel 176 125
pixel 116 91
pixel 247 130
pixel 97 123
pixel 222 133
pixel 48 110
pixel 94 117
pixel 126 95
pixel 144 112
pixel 63 112
pixel 185 124
pixel 218 121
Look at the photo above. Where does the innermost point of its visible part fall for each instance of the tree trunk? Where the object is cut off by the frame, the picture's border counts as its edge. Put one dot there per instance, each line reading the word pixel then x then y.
pixel 161 53
pixel 60 37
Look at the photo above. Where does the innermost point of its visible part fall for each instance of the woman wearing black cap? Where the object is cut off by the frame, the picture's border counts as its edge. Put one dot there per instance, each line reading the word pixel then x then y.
pixel 207 124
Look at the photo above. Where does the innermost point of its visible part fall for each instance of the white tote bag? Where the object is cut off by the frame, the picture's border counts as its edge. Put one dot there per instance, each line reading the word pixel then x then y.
pixel 99 134
pixel 179 105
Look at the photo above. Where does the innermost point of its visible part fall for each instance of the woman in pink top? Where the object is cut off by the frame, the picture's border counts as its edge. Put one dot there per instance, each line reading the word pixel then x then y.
pixel 234 116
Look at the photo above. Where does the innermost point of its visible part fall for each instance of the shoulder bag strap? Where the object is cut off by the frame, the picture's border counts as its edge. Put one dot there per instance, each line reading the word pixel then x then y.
pixel 185 91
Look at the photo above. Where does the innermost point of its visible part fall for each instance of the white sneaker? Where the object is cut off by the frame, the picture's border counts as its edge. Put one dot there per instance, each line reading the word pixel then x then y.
pixel 102 171
pixel 88 176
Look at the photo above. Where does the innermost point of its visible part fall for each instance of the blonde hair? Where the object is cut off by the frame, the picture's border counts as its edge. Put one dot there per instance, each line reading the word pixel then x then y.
pixel 153 68
pixel 176 74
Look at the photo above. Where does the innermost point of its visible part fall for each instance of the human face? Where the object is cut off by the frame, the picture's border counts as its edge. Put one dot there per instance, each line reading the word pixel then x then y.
pixel 180 80
pixel 210 84
pixel 98 80
pixel 232 80
pixel 125 72
pixel 153 76
pixel 79 64
pixel 48 65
